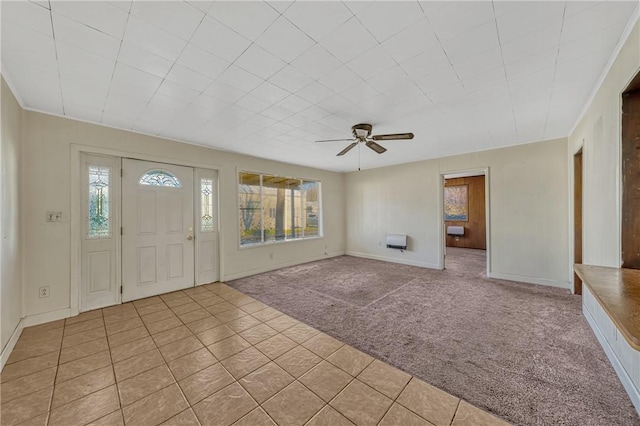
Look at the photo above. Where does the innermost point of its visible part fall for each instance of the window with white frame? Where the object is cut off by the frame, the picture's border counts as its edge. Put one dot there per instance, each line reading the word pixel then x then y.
pixel 276 208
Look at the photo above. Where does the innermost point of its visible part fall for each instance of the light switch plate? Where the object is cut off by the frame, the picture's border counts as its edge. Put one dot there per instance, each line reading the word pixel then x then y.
pixel 54 216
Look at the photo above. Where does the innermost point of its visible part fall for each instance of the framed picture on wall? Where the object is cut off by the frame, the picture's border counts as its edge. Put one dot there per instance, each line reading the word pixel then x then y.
pixel 456 203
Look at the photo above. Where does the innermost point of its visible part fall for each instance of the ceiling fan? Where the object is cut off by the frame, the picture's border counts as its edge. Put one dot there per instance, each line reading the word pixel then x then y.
pixel 362 133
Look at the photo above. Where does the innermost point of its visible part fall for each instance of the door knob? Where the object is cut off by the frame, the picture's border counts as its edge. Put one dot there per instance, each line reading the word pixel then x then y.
pixel 190 237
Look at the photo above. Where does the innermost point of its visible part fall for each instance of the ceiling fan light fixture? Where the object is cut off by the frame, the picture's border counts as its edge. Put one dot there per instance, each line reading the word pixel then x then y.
pixel 361 131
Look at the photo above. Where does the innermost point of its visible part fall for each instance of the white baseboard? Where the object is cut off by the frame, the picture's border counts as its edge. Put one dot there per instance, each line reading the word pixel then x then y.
pixel 626 381
pixel 31 320
pixel 529 280
pixel 8 348
pixel 393 260
pixel 262 269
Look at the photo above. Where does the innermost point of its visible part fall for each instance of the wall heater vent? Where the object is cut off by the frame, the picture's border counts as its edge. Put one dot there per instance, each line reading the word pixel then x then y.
pixel 455 230
pixel 397 241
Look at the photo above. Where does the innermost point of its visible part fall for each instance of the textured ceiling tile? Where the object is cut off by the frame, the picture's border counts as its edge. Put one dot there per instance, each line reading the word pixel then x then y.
pixel 284 40
pixel 221 73
pixel 318 19
pixel 177 18
pixel 219 40
pixel 153 39
pixel 350 40
pixel 384 19
pixel 99 15
pixel 250 19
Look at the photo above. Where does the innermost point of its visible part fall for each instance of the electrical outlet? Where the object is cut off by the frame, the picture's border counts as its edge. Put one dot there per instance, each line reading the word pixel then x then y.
pixel 54 216
pixel 44 291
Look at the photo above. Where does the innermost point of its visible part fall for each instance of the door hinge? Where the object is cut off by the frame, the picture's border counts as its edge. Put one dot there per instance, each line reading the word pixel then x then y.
pixel 121 230
pixel 121 172
pixel 120 289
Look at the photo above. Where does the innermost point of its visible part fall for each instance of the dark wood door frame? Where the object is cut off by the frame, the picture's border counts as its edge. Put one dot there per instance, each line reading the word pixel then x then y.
pixel 631 179
pixel 577 217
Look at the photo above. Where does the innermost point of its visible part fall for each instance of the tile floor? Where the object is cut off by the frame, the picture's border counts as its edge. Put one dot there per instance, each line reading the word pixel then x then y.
pixel 211 356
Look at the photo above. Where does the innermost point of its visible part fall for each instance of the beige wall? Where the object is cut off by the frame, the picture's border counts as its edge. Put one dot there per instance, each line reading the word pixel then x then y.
pixel 10 267
pixel 528 198
pixel 599 133
pixel 48 158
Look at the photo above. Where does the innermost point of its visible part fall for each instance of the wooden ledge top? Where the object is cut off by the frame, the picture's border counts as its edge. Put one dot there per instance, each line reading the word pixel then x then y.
pixel 618 291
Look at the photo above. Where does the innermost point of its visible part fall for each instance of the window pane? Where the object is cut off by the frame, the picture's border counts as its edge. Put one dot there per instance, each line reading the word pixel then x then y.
pixel 277 208
pixel 311 204
pixel 99 217
pixel 206 205
pixel 280 198
pixel 249 201
pixel 160 178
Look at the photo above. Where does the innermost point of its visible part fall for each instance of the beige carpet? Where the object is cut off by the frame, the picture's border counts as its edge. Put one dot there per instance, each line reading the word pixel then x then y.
pixel 521 351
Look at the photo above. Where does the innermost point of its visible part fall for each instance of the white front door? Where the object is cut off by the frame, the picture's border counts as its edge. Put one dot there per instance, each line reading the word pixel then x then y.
pixel 158 234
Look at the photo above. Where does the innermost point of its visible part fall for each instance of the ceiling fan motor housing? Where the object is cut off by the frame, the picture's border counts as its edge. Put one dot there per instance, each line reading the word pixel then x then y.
pixel 361 131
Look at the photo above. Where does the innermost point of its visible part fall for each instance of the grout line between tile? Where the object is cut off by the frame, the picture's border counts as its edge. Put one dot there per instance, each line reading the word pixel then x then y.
pixel 113 371
pixel 455 413
pixel 55 378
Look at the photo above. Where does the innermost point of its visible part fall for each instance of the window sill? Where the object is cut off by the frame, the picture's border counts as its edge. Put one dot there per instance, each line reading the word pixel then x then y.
pixel 278 242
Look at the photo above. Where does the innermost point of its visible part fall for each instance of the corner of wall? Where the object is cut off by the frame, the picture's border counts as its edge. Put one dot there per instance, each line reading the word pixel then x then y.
pixel 11 247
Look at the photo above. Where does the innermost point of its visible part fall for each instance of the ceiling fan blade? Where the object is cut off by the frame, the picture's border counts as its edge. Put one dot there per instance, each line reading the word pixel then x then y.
pixel 336 140
pixel 347 149
pixel 374 146
pixel 392 137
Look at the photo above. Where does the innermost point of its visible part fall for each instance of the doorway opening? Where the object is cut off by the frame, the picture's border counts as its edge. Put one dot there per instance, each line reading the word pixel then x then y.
pixel 147 228
pixel 630 227
pixel 577 218
pixel 465 221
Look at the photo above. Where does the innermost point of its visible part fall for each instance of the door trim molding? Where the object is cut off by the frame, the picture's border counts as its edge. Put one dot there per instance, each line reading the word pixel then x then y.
pixel 571 221
pixel 76 209
pixel 487 206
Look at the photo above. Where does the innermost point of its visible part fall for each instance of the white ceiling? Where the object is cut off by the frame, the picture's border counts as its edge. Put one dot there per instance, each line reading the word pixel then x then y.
pixel 269 78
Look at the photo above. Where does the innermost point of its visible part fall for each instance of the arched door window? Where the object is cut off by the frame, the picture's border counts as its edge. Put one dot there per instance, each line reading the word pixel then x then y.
pixel 160 178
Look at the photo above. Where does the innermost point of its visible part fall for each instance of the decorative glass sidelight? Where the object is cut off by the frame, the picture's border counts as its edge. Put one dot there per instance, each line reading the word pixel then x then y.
pixel 206 205
pixel 99 216
pixel 160 178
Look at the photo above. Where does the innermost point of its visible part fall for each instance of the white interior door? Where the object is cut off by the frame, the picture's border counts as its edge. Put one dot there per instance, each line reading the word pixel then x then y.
pixel 158 235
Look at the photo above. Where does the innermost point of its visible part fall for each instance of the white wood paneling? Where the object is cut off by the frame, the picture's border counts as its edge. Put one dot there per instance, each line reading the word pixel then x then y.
pixel 624 358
